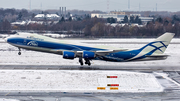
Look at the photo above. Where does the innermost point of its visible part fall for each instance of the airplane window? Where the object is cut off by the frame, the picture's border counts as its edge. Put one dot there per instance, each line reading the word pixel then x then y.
pixel 17 34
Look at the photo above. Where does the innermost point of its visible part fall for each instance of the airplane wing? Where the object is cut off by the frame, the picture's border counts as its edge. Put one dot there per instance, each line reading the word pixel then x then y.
pixel 97 53
pixel 103 53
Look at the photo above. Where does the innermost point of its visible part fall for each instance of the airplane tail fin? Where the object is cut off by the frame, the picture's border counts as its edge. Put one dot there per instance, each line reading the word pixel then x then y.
pixel 159 45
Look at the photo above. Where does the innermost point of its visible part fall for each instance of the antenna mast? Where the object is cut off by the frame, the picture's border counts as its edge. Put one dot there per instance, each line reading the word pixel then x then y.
pixel 129 4
pixel 107 6
pixel 30 5
pixel 156 7
pixel 139 7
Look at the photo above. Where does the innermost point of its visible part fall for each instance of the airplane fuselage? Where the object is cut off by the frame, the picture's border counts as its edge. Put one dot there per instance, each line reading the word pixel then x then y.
pixel 70 51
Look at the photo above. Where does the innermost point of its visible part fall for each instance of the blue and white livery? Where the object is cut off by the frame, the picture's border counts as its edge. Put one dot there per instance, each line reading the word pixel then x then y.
pixel 152 51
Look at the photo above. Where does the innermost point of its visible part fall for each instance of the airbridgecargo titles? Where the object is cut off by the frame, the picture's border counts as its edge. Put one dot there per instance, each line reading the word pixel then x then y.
pixel 152 51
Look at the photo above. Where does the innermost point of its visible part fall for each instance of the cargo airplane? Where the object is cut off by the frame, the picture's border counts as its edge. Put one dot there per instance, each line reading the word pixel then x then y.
pixel 152 51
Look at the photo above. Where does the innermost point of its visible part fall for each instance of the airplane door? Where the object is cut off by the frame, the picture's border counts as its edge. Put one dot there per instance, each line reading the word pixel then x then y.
pixel 25 42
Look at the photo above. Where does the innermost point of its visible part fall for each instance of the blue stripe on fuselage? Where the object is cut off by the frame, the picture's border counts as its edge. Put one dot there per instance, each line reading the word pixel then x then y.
pixel 51 45
pixel 121 56
pixel 126 54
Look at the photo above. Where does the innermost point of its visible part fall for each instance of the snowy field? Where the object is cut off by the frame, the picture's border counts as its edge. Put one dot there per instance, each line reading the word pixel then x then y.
pixel 76 81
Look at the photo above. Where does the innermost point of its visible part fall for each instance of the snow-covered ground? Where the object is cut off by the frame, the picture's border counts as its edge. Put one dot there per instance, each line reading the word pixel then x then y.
pixel 3 99
pixel 77 81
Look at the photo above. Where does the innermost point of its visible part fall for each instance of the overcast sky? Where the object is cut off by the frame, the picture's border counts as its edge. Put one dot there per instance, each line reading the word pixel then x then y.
pixel 162 5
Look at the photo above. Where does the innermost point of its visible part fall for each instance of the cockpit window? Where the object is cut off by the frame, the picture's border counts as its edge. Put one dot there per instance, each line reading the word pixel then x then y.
pixel 17 34
pixel 31 36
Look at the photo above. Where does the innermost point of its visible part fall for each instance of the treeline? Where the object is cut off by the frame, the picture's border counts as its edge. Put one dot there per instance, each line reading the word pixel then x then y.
pixel 99 28
pixel 13 15
pixel 92 27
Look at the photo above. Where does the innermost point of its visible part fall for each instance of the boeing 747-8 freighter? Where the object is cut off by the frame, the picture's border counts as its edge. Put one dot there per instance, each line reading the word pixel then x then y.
pixel 152 51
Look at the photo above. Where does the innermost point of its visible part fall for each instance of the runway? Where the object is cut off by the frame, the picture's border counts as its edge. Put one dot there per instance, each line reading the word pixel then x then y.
pixel 63 96
pixel 93 67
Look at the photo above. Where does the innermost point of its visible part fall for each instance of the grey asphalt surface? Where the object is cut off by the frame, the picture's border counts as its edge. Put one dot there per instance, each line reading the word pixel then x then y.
pixel 64 96
pixel 93 67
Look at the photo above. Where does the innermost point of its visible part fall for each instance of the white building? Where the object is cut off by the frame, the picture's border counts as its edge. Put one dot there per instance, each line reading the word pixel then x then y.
pixel 146 19
pixel 119 17
pixel 18 23
pixel 48 16
pixel 135 15
pixel 52 16
pixel 143 19
pixel 40 16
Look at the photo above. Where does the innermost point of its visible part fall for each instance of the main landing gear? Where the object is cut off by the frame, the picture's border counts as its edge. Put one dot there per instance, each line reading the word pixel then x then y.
pixel 19 53
pixel 81 61
pixel 87 61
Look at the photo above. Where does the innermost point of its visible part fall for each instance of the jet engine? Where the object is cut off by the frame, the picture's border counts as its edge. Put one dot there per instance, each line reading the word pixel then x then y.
pixel 88 55
pixel 68 55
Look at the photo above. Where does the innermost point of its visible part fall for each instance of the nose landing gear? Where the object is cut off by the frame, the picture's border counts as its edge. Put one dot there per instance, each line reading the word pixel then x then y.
pixel 19 53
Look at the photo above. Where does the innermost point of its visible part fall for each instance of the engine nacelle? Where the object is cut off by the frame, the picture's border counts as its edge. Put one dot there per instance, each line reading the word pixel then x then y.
pixel 68 55
pixel 88 55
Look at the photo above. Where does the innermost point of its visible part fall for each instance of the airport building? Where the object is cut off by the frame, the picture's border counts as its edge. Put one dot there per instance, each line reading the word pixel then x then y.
pixel 146 19
pixel 143 19
pixel 117 15
pixel 120 16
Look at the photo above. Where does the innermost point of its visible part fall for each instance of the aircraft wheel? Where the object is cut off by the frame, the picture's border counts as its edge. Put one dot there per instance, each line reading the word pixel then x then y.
pixel 89 64
pixel 81 61
pixel 19 53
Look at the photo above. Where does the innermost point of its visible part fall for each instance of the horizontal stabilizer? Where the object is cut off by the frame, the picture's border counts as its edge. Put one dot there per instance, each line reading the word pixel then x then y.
pixel 156 57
